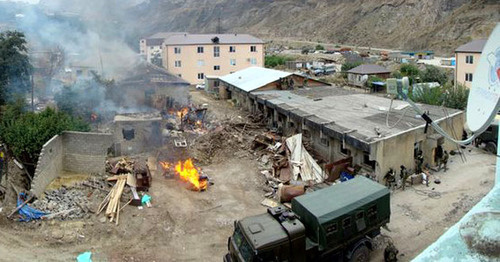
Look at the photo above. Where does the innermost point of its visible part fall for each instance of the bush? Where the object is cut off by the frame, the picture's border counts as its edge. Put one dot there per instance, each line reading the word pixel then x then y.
pixel 430 96
pixel 320 47
pixel 276 60
pixel 434 74
pixel 26 132
pixel 348 66
pixel 456 96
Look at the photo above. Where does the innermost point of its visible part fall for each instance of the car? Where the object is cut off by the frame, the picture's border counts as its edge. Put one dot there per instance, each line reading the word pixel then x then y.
pixel 200 86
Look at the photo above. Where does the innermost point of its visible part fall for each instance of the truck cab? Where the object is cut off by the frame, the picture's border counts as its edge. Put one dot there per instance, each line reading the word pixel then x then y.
pixel 332 224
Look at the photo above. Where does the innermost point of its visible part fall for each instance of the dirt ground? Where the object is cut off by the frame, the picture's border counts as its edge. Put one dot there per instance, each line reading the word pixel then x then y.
pixel 184 225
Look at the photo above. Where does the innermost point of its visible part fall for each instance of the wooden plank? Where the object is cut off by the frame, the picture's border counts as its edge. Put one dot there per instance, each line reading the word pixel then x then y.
pixel 20 206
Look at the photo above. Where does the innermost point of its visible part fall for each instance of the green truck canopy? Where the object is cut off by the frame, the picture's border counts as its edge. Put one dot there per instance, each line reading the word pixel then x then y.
pixel 322 210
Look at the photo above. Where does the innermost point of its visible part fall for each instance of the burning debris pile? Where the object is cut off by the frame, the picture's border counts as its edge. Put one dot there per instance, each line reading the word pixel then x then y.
pixel 187 172
pixel 187 119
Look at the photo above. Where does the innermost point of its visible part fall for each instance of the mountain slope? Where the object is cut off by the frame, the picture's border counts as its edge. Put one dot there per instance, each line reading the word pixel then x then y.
pixel 441 25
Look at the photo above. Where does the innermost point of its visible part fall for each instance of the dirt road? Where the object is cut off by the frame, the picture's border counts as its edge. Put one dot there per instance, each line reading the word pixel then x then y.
pixel 184 225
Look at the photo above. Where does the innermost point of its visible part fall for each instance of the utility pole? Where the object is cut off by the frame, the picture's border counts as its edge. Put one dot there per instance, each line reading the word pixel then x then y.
pixel 218 30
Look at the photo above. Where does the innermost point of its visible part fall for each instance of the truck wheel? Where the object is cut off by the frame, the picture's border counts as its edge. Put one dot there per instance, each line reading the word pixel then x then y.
pixel 491 147
pixel 478 142
pixel 361 254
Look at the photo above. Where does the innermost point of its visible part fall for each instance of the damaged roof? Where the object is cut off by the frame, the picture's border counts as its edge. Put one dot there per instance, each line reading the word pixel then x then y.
pixel 252 78
pixel 193 39
pixel 369 70
pixel 361 116
pixel 145 72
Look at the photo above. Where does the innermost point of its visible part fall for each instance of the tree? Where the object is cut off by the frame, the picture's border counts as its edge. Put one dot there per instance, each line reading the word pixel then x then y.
pixel 15 68
pixel 430 96
pixel 26 132
pixel 276 60
pixel 320 47
pixel 434 74
pixel 411 71
pixel 50 62
pixel 348 66
pixel 456 96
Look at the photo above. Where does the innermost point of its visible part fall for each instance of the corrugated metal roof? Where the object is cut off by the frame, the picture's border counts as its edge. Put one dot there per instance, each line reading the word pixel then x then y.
pixel 154 41
pixel 369 69
pixel 475 46
pixel 193 39
pixel 252 78
pixel 164 35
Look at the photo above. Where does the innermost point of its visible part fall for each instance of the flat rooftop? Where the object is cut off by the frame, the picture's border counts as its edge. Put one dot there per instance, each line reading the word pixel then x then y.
pixel 147 116
pixel 362 116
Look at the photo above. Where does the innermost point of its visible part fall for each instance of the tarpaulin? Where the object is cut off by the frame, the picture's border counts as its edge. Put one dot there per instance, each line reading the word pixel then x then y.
pixel 303 165
pixel 26 212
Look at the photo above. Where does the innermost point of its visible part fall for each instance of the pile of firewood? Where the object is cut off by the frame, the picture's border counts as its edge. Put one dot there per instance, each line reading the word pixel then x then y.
pixel 112 201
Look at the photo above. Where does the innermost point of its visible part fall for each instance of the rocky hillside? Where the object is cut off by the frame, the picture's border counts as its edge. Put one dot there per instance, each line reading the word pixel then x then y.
pixel 441 25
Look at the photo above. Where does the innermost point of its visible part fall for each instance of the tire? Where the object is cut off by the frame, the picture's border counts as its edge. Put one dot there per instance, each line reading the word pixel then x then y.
pixel 361 254
pixel 491 147
pixel 478 142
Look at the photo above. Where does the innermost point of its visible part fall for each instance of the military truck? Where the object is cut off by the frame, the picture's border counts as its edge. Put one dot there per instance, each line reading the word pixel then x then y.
pixel 489 137
pixel 336 223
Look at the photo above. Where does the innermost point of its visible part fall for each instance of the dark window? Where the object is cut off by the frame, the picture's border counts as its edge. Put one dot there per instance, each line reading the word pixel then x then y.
pixel 201 75
pixel 200 49
pixel 253 48
pixel 359 215
pixel 332 228
pixel 367 161
pixel 216 67
pixel 469 59
pixel 216 51
pixel 344 150
pixel 128 134
pixel 372 213
pixel 468 77
pixel 177 50
pixel 232 49
pixel 291 124
pixel 346 222
pixel 325 141
pixel 216 83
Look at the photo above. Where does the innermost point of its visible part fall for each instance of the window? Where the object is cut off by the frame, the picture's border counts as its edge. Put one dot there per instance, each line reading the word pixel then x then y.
pixel 177 63
pixel 200 50
pixel 151 47
pixel 253 61
pixel 216 51
pixel 344 150
pixel 372 213
pixel 331 228
pixel 232 62
pixel 359 215
pixel 469 59
pixel 128 134
pixel 468 77
pixel 253 48
pixel 201 62
pixel 177 50
pixel 232 49
pixel 216 83
pixel 201 76
pixel 325 141
pixel 216 67
pixel 346 222
pixel 367 161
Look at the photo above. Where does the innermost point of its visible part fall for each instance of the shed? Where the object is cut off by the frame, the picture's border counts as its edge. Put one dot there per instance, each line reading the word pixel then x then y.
pixel 359 75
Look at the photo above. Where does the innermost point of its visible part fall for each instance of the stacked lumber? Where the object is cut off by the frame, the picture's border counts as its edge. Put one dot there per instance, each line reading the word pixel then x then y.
pixel 112 201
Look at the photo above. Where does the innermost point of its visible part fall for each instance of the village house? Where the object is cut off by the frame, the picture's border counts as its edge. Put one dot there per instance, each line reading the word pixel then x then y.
pixel 360 74
pixel 341 125
pixel 193 56
pixel 236 86
pixel 466 60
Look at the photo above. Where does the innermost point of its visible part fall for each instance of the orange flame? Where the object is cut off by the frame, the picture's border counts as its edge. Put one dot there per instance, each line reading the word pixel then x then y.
pixel 188 172
pixel 165 165
pixel 181 113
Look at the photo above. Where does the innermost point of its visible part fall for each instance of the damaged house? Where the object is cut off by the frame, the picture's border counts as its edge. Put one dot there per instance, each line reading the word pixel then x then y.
pixel 152 86
pixel 344 126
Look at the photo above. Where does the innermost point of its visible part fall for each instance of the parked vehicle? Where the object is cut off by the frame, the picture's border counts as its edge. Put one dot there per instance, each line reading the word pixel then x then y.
pixel 332 224
pixel 200 86
pixel 489 137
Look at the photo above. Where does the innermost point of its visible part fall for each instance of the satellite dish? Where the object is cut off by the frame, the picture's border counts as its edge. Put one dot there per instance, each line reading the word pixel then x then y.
pixel 484 97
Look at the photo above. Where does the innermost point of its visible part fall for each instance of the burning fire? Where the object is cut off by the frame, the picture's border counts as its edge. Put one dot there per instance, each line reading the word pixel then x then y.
pixel 188 172
pixel 165 165
pixel 181 113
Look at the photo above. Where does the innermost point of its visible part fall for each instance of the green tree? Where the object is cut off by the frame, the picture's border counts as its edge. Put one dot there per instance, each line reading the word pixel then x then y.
pixel 26 132
pixel 320 47
pixel 15 67
pixel 276 60
pixel 411 71
pixel 456 96
pixel 372 79
pixel 434 74
pixel 348 66
pixel 430 96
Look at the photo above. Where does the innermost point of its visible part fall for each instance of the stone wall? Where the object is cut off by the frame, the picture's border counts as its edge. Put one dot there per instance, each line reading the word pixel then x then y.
pixel 74 152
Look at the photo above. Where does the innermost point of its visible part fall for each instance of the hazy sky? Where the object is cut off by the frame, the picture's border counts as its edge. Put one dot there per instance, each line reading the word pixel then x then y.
pixel 27 1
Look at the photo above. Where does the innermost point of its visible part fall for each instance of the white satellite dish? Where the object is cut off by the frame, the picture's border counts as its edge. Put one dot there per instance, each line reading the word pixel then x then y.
pixel 484 97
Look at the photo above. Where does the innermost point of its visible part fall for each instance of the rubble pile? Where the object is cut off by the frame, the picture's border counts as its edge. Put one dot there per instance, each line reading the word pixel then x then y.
pixel 74 202
pixel 229 138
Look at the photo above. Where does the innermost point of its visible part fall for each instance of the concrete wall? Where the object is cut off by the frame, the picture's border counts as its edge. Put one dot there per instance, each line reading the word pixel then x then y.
pixel 75 152
pixel 85 152
pixel 462 68
pixel 49 166
pixel 147 135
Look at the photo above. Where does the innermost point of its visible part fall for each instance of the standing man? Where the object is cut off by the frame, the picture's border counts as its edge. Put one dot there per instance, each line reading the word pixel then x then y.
pixel 444 160
pixel 439 156
pixel 420 161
